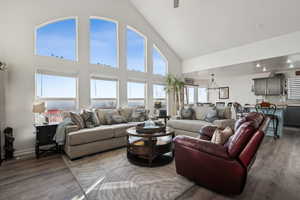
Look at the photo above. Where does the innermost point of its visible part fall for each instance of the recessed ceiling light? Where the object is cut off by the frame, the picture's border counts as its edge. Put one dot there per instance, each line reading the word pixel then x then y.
pixel 288 61
pixel 264 69
pixel 258 65
pixel 291 66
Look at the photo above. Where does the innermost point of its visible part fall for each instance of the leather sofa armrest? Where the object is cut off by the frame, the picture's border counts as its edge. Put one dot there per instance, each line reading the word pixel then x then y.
pixel 202 145
pixel 71 128
pixel 207 132
pixel 223 123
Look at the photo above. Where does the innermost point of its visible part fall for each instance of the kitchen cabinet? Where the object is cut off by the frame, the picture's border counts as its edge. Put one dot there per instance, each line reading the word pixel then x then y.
pixel 292 116
pixel 268 86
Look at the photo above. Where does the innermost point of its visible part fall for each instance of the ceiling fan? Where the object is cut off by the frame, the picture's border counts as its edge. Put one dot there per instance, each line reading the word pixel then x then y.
pixel 176 3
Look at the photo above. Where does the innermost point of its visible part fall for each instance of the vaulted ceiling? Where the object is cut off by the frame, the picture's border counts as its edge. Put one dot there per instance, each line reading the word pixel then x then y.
pixel 200 27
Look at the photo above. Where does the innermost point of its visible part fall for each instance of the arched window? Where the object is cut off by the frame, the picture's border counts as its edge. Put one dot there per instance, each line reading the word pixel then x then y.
pixel 136 53
pixel 103 42
pixel 160 65
pixel 57 39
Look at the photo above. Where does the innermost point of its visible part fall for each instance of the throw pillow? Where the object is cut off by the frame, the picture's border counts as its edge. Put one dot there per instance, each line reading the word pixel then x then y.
pixel 77 119
pixel 118 119
pixel 139 115
pixel 89 118
pixel 227 112
pixel 108 116
pixel 211 115
pixel 221 136
pixel 187 113
pixel 201 111
pixel 126 113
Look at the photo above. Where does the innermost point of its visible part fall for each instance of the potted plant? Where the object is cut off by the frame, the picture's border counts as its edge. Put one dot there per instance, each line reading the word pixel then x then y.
pixel 174 87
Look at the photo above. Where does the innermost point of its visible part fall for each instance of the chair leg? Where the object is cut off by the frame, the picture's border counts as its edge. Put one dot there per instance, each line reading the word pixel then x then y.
pixel 275 123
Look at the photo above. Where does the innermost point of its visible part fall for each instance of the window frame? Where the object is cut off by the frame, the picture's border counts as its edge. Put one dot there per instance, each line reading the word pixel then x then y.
pixel 163 57
pixel 117 99
pixel 145 49
pixel 118 42
pixel 186 95
pixel 54 21
pixel 199 93
pixel 161 99
pixel 61 74
pixel 145 92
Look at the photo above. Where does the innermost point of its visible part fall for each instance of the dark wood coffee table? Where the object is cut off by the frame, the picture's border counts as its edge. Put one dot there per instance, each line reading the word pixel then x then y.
pixel 150 150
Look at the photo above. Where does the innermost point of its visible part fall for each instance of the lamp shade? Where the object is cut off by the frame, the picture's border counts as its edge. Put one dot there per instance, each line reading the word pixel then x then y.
pixel 38 107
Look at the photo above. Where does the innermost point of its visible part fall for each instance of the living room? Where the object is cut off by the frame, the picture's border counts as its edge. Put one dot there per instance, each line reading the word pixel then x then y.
pixel 82 85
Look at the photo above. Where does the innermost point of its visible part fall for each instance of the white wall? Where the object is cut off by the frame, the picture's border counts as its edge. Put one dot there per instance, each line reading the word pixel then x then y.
pixel 18 20
pixel 240 89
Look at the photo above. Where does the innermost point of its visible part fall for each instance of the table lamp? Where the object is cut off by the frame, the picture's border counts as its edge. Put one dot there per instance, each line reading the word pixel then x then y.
pixel 38 108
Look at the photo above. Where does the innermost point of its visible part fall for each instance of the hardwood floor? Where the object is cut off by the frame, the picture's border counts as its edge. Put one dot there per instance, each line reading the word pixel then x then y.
pixel 47 178
pixel 274 175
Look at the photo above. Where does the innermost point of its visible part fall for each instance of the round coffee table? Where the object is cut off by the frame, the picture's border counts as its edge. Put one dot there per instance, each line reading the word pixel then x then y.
pixel 150 149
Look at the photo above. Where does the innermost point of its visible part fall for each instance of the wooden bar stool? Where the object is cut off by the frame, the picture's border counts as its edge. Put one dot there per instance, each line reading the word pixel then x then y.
pixel 269 110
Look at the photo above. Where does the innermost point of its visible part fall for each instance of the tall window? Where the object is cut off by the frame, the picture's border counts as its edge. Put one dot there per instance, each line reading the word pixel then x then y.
pixel 136 94
pixel 104 93
pixel 202 95
pixel 103 42
pixel 136 59
pixel 189 95
pixel 57 39
pixel 159 96
pixel 159 62
pixel 58 92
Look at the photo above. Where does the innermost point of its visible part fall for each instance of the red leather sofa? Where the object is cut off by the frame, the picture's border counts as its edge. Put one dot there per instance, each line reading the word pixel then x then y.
pixel 222 168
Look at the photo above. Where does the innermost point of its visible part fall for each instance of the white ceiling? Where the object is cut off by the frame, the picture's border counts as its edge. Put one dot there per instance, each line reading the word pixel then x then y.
pixel 201 27
pixel 271 65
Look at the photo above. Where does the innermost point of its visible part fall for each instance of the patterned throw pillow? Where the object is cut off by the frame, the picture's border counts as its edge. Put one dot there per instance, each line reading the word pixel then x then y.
pixel 187 113
pixel 221 136
pixel 118 119
pixel 126 113
pixel 89 118
pixel 77 119
pixel 139 115
pixel 108 116
pixel 211 115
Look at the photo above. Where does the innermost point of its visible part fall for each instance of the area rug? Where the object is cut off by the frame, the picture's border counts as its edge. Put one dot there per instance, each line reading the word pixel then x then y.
pixel 111 176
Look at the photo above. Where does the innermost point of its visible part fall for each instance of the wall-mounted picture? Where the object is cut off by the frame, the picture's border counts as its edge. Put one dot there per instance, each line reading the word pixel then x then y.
pixel 224 93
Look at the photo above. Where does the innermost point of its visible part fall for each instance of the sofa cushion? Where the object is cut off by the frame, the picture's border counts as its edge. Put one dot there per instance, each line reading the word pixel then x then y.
pixel 139 115
pixel 187 113
pixel 188 125
pixel 120 129
pixel 88 135
pixel 239 140
pixel 224 112
pixel 201 112
pixel 126 113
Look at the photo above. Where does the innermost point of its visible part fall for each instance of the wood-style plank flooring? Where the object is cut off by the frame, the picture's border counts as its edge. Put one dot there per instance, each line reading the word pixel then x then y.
pixel 275 175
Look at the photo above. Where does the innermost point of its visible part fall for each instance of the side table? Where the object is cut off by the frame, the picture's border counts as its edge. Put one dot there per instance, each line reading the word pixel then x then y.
pixel 44 139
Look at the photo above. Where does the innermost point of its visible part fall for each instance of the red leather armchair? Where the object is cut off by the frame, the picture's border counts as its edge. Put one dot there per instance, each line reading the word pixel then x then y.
pixel 222 168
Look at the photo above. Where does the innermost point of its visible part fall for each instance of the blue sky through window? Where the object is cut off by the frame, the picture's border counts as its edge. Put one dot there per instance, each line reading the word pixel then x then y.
pixel 159 63
pixel 51 86
pixel 135 90
pixel 135 51
pixel 57 39
pixel 103 42
pixel 103 88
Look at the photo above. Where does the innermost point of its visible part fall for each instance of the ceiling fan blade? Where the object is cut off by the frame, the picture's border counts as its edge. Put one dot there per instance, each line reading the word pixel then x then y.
pixel 176 3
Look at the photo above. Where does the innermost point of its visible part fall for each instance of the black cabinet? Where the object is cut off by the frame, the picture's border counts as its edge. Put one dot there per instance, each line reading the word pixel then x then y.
pixel 292 116
pixel 272 86
pixel 44 139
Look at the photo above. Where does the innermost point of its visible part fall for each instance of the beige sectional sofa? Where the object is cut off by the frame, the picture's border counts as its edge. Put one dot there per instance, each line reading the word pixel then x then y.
pixel 191 127
pixel 92 140
pixel 86 141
